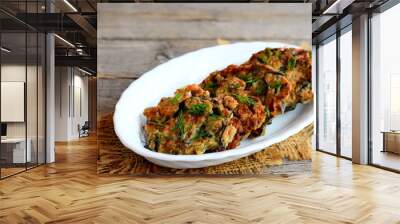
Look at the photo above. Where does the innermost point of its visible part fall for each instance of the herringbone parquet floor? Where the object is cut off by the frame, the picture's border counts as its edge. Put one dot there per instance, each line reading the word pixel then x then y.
pixel 70 191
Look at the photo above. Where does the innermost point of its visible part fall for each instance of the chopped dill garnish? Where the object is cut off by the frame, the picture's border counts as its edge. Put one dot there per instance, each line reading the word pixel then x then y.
pixel 177 98
pixel 290 108
pixel 198 109
pixel 180 125
pixel 201 134
pixel 267 112
pixel 261 87
pixel 245 100
pixel 278 54
pixel 214 116
pixel 291 63
pixel 210 85
pixel 276 85
pixel 262 58
pixel 249 79
pixel 268 52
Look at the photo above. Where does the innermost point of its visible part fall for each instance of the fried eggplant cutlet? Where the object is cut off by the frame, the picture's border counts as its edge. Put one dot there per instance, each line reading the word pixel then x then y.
pixel 230 105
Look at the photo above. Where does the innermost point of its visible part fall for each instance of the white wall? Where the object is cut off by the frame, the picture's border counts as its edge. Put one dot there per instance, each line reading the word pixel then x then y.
pixel 62 82
pixel 12 73
pixel 34 124
pixel 71 94
pixel 80 104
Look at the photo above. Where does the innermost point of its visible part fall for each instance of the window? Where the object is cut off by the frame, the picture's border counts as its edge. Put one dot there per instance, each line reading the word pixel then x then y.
pixel 385 89
pixel 22 77
pixel 327 96
pixel 333 137
pixel 346 93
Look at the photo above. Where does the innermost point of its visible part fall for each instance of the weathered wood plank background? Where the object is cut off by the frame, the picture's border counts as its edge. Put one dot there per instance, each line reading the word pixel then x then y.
pixel 134 38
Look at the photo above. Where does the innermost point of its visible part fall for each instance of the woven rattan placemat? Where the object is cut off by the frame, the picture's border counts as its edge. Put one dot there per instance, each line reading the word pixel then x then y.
pixel 290 156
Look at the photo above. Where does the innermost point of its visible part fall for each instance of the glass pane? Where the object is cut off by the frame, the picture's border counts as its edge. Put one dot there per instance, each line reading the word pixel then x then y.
pixel 346 94
pixel 31 88
pixel 386 89
pixel 314 84
pixel 41 98
pixel 327 97
pixel 31 98
pixel 13 88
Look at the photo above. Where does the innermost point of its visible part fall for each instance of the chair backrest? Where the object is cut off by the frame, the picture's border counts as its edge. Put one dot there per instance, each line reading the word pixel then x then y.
pixel 86 125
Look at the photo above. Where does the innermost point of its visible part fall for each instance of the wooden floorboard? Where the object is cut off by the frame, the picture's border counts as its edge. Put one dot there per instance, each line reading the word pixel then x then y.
pixel 70 191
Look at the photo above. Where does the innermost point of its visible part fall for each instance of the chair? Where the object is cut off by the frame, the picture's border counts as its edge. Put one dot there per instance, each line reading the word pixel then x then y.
pixel 84 130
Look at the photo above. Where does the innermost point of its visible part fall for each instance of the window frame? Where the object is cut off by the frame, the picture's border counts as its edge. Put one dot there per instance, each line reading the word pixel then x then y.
pixel 27 29
pixel 336 36
pixel 381 9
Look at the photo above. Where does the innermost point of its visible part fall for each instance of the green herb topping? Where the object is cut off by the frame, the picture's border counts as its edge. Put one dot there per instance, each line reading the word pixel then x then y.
pixel 262 58
pixel 198 109
pixel 268 52
pixel 213 117
pixel 267 112
pixel 180 125
pixel 306 85
pixel 245 100
pixel 276 85
pixel 261 87
pixel 278 54
pixel 177 98
pixel 249 79
pixel 290 108
pixel 201 134
pixel 210 85
pixel 291 63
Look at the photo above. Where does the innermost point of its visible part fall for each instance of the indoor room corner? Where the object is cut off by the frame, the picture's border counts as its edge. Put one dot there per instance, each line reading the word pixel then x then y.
pixel 75 114
pixel 74 96
pixel 356 68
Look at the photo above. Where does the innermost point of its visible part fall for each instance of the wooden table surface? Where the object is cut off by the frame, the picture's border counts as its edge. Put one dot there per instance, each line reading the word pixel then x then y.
pixel 134 38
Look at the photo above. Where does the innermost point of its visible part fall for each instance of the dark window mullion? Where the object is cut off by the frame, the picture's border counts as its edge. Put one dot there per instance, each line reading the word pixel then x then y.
pixel 26 88
pixel 0 95
pixel 37 91
pixel 369 100
pixel 317 97
pixel 338 73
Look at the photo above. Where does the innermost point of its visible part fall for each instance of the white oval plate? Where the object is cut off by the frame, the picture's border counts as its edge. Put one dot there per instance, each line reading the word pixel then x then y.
pixel 190 68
